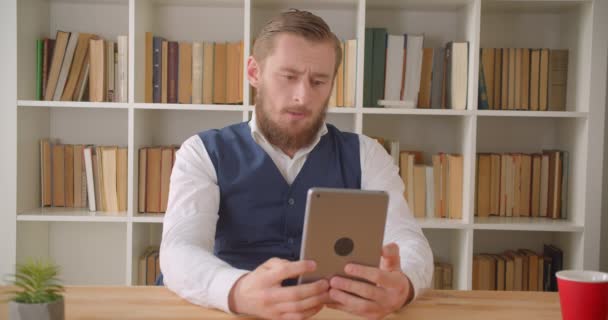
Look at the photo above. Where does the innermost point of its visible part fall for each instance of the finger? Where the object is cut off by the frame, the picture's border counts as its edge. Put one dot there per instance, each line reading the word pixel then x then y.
pixel 362 289
pixel 273 263
pixel 382 278
pixel 351 304
pixel 299 292
pixel 303 305
pixel 390 257
pixel 288 270
pixel 302 315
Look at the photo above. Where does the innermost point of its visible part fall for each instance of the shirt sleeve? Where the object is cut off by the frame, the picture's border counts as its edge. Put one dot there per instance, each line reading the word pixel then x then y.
pixel 189 267
pixel 379 172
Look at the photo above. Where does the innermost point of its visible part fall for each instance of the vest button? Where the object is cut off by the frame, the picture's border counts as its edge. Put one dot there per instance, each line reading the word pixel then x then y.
pixel 290 240
pixel 291 201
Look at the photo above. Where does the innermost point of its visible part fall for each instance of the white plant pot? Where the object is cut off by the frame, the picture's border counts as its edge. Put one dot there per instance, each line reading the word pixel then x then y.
pixel 36 311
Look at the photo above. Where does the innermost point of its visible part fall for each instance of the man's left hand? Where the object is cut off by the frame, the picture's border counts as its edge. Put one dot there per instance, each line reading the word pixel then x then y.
pixel 392 290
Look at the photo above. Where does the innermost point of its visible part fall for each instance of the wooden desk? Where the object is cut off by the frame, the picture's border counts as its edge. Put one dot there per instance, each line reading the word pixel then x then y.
pixel 159 303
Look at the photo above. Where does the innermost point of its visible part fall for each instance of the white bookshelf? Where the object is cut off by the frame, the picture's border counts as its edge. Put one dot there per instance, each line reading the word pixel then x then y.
pixel 104 248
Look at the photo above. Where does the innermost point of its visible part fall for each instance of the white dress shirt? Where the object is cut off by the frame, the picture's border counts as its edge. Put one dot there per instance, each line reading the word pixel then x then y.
pixel 189 266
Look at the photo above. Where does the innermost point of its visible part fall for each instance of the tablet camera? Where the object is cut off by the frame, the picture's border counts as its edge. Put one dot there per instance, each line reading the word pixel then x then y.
pixel 344 246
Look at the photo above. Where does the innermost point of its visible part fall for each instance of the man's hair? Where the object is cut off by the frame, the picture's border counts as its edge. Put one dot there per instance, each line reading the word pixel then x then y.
pixel 297 22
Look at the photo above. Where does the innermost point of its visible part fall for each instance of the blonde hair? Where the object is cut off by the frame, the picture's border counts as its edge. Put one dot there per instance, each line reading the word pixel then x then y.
pixel 298 22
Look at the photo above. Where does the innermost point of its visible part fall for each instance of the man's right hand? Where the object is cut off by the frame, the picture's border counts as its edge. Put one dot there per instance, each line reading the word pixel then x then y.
pixel 259 293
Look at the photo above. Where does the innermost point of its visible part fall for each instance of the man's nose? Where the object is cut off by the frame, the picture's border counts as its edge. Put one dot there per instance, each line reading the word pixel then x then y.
pixel 302 92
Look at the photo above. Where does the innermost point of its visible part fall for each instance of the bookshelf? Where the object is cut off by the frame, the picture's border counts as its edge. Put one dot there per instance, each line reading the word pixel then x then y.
pixel 104 248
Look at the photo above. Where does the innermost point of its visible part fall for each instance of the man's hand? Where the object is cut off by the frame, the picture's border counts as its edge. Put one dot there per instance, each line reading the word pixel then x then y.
pixel 260 294
pixel 392 290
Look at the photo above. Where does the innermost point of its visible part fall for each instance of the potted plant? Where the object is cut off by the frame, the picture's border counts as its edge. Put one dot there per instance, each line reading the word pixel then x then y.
pixel 38 295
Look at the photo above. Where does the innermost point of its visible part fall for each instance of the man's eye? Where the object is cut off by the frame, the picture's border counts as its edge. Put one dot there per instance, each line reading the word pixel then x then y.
pixel 317 83
pixel 289 77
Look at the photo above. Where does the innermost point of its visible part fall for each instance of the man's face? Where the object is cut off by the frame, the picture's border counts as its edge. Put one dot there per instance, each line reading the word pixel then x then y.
pixel 293 89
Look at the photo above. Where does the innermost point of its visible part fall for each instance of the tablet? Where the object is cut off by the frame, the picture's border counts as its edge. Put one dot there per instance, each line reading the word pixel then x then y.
pixel 342 226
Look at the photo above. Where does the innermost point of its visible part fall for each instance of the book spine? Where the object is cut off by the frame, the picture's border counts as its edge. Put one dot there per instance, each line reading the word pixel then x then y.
pixel 156 69
pixel 172 72
pixel 39 57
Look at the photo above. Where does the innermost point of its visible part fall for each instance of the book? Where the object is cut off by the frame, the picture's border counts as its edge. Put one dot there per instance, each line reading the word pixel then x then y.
pixel 122 178
pixel 455 175
pixel 172 72
pixel 458 59
pixel 60 46
pixel 487 65
pixel 122 70
pixel 413 67
pixel 197 72
pixel 424 95
pixel 58 178
pixel 164 71
pixel 110 77
pixel 556 258
pixel 394 58
pixel 498 76
pixel 109 174
pixel 165 175
pixel 437 77
pixel 39 65
pixel 484 171
pixel 97 79
pixel 88 164
pixel 367 68
pixel 185 73
pixel 208 65
pixel 378 66
pixel 141 180
pixel 46 173
pixel 543 80
pixel 219 73
pixel 525 79
pixel 482 96
pixel 68 158
pixel 558 80
pixel 79 201
pixel 65 66
pixel 78 64
pixel 157 44
pixel 153 180
pixel 350 73
pixel 534 79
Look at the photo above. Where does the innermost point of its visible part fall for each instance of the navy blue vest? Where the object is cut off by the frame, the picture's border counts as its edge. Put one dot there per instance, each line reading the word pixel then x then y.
pixel 261 216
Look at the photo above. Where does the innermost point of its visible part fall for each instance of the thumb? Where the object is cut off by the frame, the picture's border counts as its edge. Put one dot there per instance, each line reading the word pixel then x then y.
pixel 391 260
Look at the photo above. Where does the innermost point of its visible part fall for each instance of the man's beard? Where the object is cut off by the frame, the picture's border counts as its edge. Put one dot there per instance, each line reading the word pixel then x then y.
pixel 281 137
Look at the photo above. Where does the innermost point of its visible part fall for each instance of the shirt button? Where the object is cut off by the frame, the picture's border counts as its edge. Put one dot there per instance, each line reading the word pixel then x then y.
pixel 291 201
pixel 290 240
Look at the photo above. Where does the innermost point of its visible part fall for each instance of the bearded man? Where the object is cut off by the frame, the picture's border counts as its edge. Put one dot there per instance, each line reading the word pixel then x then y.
pixel 233 227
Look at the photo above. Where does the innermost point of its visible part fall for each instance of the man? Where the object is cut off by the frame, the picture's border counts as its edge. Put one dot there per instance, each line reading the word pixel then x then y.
pixel 233 227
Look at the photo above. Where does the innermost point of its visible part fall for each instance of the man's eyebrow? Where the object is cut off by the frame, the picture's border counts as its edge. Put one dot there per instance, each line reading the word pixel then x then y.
pixel 314 74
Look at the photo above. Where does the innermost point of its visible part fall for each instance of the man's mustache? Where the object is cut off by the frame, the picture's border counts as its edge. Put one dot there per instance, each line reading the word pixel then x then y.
pixel 302 110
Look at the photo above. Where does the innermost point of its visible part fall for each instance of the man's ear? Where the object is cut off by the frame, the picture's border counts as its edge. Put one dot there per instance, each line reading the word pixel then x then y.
pixel 254 71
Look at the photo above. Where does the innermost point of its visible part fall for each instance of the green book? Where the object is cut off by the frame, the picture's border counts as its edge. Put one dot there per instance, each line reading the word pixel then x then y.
pixel 378 66
pixel 482 98
pixel 367 67
pixel 39 52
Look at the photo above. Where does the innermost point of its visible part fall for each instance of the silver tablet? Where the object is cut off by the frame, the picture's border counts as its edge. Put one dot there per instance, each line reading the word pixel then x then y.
pixel 342 226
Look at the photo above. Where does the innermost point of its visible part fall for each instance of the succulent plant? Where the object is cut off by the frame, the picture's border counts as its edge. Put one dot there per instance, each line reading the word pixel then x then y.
pixel 37 282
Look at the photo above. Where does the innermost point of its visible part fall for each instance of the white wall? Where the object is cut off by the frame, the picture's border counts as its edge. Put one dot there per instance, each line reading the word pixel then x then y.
pixel 8 135
pixel 604 235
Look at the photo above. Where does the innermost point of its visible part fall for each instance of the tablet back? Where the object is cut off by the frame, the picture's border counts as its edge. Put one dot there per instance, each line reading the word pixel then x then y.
pixel 342 226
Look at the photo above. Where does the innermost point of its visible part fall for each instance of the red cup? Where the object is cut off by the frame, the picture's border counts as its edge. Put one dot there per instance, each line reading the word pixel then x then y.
pixel 583 295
